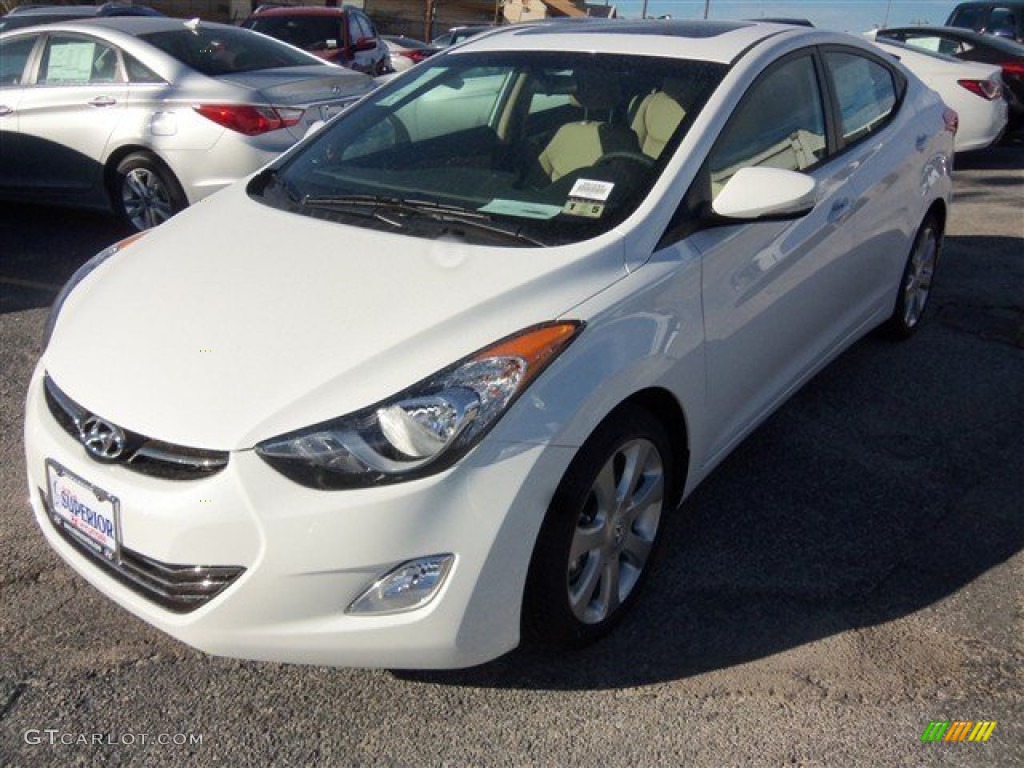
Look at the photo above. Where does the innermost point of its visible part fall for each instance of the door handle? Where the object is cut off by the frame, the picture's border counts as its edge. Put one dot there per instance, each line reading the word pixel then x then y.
pixel 5 110
pixel 921 142
pixel 839 211
pixel 103 101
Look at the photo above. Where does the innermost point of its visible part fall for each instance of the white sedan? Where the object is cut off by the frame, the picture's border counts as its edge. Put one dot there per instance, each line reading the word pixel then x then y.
pixel 973 89
pixel 429 384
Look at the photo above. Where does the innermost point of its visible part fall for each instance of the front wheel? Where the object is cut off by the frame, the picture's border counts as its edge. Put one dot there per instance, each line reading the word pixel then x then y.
pixel 916 282
pixel 597 542
pixel 145 191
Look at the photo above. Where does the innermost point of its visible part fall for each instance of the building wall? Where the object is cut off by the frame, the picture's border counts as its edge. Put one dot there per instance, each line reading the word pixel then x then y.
pixel 524 10
pixel 409 17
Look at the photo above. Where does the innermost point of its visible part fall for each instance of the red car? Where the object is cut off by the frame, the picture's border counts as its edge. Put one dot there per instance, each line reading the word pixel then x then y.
pixel 342 35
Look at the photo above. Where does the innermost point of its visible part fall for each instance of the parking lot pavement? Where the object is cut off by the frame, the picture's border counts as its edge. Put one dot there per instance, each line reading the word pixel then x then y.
pixel 851 574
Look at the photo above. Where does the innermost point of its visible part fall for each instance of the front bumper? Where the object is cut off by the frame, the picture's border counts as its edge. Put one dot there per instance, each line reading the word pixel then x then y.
pixel 308 554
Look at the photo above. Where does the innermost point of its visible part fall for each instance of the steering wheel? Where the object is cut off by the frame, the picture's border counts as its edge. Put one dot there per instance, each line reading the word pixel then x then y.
pixel 636 157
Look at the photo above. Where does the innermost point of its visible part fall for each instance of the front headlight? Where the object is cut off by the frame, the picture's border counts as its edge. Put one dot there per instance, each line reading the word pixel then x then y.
pixel 80 274
pixel 424 429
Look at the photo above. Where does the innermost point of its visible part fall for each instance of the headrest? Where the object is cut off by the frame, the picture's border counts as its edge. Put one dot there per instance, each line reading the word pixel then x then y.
pixel 597 90
pixel 662 116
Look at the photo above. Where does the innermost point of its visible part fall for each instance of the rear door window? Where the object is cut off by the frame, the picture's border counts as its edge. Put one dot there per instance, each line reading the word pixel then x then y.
pixel 13 58
pixel 78 61
pixel 866 91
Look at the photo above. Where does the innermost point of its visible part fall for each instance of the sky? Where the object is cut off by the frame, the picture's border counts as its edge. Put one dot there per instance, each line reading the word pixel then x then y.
pixel 843 15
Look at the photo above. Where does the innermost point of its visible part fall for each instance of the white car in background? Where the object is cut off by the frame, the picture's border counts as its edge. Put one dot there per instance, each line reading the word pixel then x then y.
pixel 406 52
pixel 973 89
pixel 428 384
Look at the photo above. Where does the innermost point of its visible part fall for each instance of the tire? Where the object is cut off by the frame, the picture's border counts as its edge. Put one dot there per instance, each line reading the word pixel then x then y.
pixel 597 543
pixel 916 281
pixel 145 192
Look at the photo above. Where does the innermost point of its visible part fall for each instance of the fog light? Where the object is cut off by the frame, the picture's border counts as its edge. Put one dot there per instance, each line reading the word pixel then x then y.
pixel 411 585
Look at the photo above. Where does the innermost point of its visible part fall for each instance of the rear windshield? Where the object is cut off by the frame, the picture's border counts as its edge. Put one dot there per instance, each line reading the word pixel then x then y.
pixel 313 33
pixel 226 51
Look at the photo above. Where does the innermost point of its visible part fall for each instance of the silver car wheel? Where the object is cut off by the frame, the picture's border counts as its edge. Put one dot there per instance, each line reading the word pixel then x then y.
pixel 147 202
pixel 616 530
pixel 917 284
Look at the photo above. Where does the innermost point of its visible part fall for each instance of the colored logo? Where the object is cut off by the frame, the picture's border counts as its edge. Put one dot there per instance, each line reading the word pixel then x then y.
pixel 958 730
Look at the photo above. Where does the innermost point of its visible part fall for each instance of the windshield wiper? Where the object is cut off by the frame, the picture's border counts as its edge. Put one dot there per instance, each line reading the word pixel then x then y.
pixel 398 211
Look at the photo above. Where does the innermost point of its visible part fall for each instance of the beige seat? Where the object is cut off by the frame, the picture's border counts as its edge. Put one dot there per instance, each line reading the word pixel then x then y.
pixel 657 117
pixel 581 144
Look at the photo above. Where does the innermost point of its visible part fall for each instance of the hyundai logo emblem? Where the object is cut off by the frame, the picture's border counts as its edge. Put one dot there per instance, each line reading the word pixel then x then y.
pixel 101 439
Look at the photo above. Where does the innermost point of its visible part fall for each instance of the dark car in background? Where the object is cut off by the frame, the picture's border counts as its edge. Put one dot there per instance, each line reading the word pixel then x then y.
pixel 1004 19
pixel 973 46
pixel 342 35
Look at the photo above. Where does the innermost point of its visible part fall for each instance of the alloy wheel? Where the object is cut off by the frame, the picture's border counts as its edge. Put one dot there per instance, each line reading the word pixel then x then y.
pixel 917 284
pixel 147 201
pixel 616 530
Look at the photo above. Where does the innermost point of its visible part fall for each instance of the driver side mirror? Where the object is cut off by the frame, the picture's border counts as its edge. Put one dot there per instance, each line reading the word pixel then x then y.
pixel 761 193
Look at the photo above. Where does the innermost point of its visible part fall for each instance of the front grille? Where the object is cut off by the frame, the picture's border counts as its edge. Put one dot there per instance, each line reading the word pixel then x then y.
pixel 142 454
pixel 178 588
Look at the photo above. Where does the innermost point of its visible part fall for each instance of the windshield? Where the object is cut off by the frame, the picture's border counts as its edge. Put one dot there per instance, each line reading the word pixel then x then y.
pixel 223 51
pixel 551 147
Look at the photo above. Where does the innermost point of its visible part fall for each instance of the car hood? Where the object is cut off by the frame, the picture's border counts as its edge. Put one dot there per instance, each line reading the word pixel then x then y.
pixel 235 322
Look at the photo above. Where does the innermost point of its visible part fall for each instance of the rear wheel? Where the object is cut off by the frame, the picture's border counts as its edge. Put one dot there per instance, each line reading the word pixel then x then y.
pixel 916 283
pixel 597 542
pixel 145 191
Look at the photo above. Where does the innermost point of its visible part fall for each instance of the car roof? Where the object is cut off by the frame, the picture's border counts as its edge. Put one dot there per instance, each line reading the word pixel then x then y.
pixel 903 52
pixel 131 26
pixel 989 4
pixel 978 38
pixel 937 29
pixel 138 25
pixel 55 10
pixel 717 41
pixel 302 10
pixel 85 11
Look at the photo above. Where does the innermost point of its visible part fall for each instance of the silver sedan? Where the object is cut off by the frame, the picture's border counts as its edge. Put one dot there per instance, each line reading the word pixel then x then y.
pixel 144 116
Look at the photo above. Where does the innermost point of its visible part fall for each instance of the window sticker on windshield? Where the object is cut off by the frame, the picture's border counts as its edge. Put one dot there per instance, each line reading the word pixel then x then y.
pixel 588 189
pixel 522 208
pixel 586 208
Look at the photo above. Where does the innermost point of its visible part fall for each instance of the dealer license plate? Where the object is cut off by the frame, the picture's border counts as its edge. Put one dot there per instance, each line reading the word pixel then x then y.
pixel 330 110
pixel 88 513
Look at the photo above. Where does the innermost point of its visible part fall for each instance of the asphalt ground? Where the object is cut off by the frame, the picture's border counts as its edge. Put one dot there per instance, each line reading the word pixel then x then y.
pixel 852 573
